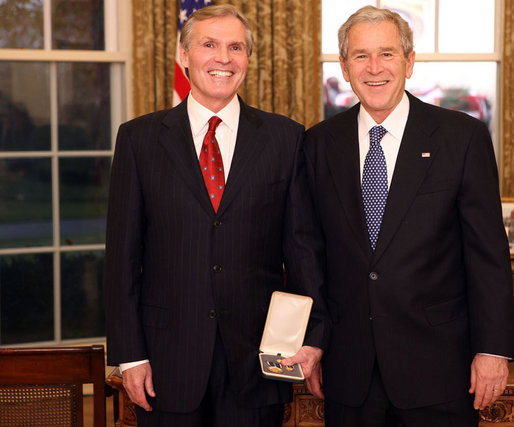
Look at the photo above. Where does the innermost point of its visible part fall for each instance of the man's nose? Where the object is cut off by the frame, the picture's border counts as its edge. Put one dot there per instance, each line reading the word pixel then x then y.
pixel 374 65
pixel 223 55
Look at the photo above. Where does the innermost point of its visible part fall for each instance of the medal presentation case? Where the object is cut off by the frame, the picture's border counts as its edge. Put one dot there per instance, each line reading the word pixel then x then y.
pixel 283 335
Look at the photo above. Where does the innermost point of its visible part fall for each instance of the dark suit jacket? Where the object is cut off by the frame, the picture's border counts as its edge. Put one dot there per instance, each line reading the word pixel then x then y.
pixel 176 272
pixel 438 288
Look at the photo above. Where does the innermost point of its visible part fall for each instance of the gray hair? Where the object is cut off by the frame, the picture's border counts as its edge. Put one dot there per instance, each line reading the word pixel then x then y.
pixel 373 15
pixel 215 12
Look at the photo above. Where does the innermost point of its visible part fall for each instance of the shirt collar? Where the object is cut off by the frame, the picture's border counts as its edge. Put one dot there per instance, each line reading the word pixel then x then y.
pixel 199 115
pixel 394 123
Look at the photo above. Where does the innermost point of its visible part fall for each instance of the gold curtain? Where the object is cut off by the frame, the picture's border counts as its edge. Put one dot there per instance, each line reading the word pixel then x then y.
pixel 284 74
pixel 154 46
pixel 507 115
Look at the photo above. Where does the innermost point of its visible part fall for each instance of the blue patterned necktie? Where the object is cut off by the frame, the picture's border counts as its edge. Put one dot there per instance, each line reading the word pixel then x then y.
pixel 374 184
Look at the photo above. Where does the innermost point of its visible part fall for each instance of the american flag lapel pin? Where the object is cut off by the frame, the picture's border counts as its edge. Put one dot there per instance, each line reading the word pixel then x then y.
pixel 425 154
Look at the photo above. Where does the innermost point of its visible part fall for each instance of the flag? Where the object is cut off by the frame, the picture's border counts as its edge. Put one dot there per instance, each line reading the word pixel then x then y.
pixel 181 84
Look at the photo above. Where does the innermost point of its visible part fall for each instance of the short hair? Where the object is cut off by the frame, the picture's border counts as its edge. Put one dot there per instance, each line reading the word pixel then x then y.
pixel 215 12
pixel 373 15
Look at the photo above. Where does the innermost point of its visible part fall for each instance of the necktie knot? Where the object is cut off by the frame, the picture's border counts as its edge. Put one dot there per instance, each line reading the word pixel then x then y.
pixel 214 121
pixel 376 134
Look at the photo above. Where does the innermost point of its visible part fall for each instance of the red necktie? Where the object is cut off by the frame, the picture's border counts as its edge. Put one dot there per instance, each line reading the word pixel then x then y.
pixel 211 164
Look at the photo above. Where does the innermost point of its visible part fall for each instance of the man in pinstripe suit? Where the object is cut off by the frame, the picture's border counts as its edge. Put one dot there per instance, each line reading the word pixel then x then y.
pixel 188 282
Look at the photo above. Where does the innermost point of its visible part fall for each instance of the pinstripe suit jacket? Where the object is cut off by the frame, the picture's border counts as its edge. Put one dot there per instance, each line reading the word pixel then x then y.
pixel 176 272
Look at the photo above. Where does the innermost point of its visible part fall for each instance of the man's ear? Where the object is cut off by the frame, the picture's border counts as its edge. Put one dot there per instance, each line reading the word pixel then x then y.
pixel 344 69
pixel 410 64
pixel 184 57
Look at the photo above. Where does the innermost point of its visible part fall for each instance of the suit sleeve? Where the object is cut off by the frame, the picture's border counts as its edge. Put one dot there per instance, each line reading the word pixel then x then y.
pixel 123 256
pixel 304 251
pixel 486 250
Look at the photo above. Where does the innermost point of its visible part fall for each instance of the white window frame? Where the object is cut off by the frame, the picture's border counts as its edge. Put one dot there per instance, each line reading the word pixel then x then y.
pixel 118 51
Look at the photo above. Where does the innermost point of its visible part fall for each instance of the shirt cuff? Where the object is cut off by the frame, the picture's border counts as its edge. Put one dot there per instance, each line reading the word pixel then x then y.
pixel 128 365
pixel 496 355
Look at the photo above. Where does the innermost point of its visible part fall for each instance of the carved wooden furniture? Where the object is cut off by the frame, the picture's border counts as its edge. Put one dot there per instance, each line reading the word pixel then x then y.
pixel 307 411
pixel 304 410
pixel 43 386
pixel 124 412
pixel 501 413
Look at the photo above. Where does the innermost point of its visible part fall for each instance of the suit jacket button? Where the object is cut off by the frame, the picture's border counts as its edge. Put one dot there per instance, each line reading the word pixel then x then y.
pixel 212 314
pixel 217 223
pixel 217 268
pixel 373 275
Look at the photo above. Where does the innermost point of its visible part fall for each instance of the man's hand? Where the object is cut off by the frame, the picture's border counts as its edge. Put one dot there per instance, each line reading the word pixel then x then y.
pixel 309 358
pixel 136 380
pixel 488 379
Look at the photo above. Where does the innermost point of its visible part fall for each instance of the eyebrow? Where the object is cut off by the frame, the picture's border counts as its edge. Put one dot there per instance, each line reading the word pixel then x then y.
pixel 215 40
pixel 380 49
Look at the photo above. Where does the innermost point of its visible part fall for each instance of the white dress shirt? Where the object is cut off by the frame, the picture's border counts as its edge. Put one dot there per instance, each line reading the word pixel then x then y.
pixel 226 135
pixel 395 126
pixel 226 132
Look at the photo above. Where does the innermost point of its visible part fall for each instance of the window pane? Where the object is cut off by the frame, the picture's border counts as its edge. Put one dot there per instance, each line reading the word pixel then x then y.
pixel 334 14
pixel 469 32
pixel 420 14
pixel 82 295
pixel 84 106
pixel 83 190
pixel 26 298
pixel 78 24
pixel 465 86
pixel 338 94
pixel 25 203
pixel 24 106
pixel 21 24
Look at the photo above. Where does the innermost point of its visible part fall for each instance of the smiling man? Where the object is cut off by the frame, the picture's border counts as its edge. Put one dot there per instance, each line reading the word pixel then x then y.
pixel 419 281
pixel 207 203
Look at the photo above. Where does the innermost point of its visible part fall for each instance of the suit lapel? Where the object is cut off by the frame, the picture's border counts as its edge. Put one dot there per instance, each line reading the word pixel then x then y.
pixel 410 170
pixel 343 161
pixel 177 140
pixel 249 143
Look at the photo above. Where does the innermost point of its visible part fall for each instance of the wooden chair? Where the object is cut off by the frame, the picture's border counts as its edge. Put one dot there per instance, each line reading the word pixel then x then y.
pixel 43 386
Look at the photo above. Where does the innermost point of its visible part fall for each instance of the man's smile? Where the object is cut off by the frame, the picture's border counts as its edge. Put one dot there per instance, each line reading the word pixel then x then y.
pixel 220 73
pixel 377 83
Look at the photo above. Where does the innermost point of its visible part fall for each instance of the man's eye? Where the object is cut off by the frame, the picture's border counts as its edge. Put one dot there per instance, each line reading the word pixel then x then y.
pixel 208 45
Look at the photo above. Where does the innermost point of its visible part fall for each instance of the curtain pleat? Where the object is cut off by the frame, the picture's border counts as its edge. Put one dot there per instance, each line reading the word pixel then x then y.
pixel 507 85
pixel 284 73
pixel 155 38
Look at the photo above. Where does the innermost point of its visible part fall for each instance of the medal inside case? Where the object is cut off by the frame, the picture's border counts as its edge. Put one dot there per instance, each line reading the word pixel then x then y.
pixel 283 335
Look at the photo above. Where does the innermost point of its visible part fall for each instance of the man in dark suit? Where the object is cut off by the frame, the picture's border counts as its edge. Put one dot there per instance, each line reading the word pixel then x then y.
pixel 419 281
pixel 191 263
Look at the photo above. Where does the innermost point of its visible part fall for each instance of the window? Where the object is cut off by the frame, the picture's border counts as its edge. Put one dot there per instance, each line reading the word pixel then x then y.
pixel 457 44
pixel 63 66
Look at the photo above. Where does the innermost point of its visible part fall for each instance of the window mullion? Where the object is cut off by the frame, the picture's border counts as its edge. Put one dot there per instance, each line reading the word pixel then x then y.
pixel 499 26
pixel 111 31
pixel 47 24
pixel 55 199
pixel 436 31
